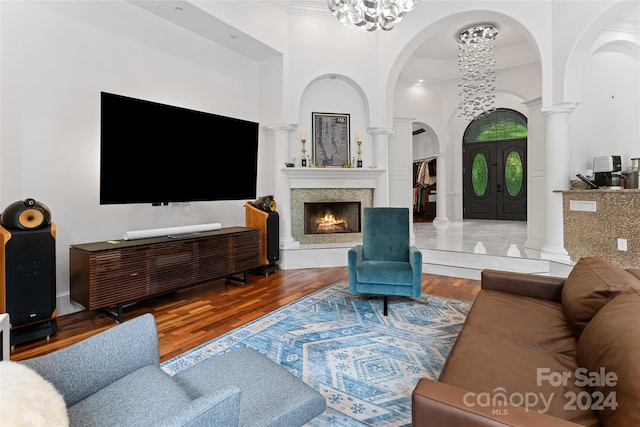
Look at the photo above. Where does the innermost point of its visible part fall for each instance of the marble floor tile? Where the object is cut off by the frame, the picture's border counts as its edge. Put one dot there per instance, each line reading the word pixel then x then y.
pixel 504 238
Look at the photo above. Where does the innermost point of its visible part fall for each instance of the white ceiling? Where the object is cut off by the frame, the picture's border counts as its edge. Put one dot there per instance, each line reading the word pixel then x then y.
pixel 188 15
pixel 444 46
pixel 440 47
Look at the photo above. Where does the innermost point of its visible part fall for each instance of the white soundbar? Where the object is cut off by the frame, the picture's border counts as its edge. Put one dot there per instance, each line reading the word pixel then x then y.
pixel 170 231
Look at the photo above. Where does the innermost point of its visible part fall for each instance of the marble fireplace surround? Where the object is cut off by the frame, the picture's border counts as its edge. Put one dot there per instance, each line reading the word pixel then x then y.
pixel 324 185
pixel 301 195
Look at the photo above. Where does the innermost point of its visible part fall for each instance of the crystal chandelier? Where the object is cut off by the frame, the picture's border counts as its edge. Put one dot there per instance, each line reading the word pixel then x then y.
pixel 369 15
pixel 476 62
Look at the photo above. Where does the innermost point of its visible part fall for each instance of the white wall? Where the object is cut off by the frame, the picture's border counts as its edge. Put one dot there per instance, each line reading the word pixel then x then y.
pixel 605 122
pixel 56 58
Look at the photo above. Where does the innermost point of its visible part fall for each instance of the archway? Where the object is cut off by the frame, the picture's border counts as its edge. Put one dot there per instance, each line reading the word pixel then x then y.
pixel 425 149
pixel 495 167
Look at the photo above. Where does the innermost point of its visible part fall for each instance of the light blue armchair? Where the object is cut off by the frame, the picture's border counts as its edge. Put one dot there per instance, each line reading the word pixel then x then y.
pixel 385 263
pixel 114 379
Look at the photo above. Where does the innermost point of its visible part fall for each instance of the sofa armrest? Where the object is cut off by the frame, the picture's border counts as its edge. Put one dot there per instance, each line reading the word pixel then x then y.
pixel 220 408
pixel 436 404
pixel 523 284
pixel 83 368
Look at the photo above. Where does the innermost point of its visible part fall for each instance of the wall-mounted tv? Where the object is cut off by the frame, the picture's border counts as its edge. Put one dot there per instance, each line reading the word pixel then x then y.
pixel 157 153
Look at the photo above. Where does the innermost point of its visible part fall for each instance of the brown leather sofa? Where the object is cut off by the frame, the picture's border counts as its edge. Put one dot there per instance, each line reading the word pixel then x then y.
pixel 543 351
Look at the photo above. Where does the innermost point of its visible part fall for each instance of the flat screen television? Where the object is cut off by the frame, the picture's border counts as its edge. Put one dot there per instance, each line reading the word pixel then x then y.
pixel 157 153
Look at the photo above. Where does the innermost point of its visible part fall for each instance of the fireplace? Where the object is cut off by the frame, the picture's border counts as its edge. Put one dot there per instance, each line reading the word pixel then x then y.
pixel 300 197
pixel 331 217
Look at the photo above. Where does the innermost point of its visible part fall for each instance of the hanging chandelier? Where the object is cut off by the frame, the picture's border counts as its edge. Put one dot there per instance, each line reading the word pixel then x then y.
pixel 369 15
pixel 476 62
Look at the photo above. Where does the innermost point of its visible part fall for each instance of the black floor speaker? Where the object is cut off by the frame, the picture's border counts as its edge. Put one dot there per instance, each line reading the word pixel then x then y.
pixel 28 294
pixel 262 214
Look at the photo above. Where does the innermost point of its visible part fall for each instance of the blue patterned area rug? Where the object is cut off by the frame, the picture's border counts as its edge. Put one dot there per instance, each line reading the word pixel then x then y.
pixel 365 364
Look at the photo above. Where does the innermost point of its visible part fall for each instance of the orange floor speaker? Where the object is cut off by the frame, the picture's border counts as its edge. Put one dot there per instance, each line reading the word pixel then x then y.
pixel 28 270
pixel 262 214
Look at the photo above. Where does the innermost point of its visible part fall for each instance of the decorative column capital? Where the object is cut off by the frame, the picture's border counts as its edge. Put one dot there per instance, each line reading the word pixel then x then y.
pixel 379 131
pixel 282 126
pixel 564 108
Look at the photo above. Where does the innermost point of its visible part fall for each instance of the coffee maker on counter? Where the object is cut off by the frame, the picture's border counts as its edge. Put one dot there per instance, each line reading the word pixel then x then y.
pixel 607 171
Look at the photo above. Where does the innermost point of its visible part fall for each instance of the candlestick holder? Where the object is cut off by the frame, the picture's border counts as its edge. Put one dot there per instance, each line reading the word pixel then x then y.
pixel 359 163
pixel 303 162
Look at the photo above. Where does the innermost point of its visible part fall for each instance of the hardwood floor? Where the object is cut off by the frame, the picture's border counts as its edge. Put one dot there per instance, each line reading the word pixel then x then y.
pixel 193 316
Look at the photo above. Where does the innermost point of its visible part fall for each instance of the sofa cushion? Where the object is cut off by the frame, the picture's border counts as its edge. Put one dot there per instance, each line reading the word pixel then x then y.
pixel 531 321
pixel 591 284
pixel 610 345
pixel 634 271
pixel 495 371
pixel 143 397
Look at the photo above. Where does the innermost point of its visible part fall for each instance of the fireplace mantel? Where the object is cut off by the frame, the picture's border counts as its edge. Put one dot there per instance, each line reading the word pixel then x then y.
pixel 333 177
pixel 323 184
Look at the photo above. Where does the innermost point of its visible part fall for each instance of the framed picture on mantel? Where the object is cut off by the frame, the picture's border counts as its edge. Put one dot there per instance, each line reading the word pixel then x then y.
pixel 331 145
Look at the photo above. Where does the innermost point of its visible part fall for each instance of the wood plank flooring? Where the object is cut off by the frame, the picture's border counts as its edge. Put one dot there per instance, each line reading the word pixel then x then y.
pixel 193 316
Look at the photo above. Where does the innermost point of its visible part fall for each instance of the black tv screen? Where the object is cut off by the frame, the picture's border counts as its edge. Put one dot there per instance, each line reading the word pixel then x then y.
pixel 157 153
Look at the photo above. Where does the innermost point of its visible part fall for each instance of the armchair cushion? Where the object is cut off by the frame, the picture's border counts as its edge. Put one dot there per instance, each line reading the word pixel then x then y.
pixel 141 398
pixel 384 272
pixel 386 234
pixel 271 395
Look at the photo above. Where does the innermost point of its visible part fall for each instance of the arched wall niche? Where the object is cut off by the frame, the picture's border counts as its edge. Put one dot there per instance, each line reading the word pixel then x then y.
pixel 334 93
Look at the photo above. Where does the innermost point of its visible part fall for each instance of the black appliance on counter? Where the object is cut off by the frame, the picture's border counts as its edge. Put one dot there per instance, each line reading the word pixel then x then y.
pixel 607 171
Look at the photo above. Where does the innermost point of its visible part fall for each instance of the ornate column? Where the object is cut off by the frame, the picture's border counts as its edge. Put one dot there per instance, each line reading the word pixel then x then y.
pixel 400 170
pixel 441 219
pixel 536 178
pixel 381 161
pixel 401 163
pixel 558 176
pixel 282 136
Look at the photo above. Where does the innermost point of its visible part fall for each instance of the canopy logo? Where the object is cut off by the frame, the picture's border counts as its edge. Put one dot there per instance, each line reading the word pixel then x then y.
pixel 596 400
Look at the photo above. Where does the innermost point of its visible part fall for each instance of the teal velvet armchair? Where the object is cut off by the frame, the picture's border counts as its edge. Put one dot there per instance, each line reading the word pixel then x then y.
pixel 385 263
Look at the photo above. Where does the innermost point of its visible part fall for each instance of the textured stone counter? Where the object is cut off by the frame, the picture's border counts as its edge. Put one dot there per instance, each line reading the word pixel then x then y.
pixel 594 220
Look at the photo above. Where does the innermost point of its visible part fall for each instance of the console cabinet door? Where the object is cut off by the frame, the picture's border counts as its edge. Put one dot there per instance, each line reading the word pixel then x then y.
pixel 213 257
pixel 171 266
pixel 117 276
pixel 246 250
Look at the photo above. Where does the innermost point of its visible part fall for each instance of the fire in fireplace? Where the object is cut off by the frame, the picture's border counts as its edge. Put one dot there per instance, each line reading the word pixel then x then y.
pixel 331 217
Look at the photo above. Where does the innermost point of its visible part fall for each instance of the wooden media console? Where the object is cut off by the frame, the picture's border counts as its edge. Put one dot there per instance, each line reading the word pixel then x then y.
pixel 105 275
